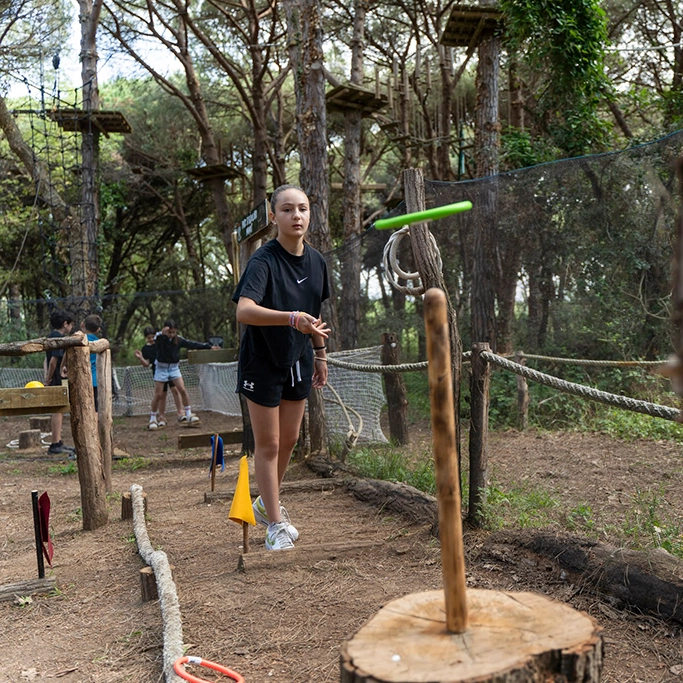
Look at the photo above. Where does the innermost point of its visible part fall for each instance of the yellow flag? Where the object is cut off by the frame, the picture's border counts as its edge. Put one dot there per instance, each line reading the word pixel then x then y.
pixel 241 510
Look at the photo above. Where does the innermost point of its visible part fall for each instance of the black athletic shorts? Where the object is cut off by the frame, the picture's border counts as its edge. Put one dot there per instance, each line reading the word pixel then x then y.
pixel 266 384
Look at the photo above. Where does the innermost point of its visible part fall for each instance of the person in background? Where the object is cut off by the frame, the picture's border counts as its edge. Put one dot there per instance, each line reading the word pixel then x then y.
pixel 282 351
pixel 62 323
pixel 168 344
pixel 91 326
pixel 147 357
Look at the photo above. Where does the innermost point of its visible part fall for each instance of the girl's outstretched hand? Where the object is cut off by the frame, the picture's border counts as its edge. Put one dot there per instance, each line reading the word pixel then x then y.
pixel 310 325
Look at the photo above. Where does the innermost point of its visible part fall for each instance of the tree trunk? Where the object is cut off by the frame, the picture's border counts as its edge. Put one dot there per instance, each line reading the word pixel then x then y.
pixel 431 276
pixel 85 434
pixel 487 142
pixel 395 390
pixel 350 258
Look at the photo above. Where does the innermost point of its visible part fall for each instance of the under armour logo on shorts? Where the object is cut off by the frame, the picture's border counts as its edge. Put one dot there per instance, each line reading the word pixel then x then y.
pixel 248 386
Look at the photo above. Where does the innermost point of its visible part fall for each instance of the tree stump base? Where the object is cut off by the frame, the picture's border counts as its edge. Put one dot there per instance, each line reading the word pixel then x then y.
pixel 42 422
pixel 511 637
pixel 29 439
pixel 127 505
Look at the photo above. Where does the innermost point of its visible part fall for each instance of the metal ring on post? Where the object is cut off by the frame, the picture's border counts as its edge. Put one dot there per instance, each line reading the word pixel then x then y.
pixel 392 271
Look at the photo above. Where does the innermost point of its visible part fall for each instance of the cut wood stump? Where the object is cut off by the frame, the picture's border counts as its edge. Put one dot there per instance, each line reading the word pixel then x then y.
pixel 29 439
pixel 42 422
pixel 127 505
pixel 511 638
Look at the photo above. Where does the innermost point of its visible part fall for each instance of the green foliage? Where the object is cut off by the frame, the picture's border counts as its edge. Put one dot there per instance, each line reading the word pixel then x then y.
pixel 580 519
pixel 130 464
pixel 565 42
pixel 64 470
pixel 390 465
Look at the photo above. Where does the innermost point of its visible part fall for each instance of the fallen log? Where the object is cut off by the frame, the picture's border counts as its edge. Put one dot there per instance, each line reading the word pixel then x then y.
pixel 401 499
pixel 650 580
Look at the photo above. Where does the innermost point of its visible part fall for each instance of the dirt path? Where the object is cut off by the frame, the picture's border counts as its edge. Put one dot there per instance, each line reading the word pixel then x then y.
pixel 283 624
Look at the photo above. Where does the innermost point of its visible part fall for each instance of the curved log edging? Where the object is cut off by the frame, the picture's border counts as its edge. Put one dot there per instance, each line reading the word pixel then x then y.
pixel 650 581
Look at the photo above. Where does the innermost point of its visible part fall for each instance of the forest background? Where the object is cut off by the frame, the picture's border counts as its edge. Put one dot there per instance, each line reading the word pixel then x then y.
pixel 241 85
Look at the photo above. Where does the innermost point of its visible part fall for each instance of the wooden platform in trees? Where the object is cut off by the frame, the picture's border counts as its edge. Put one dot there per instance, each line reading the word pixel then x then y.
pixel 214 171
pixel 81 120
pixel 350 96
pixel 468 23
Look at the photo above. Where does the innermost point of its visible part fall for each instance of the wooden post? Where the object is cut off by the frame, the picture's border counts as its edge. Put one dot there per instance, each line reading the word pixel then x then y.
pixel 40 422
pixel 127 505
pixel 105 420
pixel 316 421
pixel 85 434
pixel 431 276
pixel 245 536
pixel 522 395
pixel 395 390
pixel 29 438
pixel 214 457
pixel 445 460
pixel 479 430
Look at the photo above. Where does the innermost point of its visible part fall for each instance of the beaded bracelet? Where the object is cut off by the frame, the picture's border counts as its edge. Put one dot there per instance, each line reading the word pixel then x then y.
pixel 294 318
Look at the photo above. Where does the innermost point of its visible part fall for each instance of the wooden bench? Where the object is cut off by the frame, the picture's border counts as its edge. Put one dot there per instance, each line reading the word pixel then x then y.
pixel 204 440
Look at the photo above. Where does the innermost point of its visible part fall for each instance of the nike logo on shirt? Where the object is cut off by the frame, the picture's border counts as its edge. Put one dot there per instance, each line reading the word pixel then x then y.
pixel 298 282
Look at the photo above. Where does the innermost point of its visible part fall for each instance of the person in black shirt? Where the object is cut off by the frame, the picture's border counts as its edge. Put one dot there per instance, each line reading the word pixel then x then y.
pixel 62 323
pixel 282 351
pixel 168 344
pixel 147 357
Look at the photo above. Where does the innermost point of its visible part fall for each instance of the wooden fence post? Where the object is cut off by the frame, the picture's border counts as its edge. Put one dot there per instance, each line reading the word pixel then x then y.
pixel 522 395
pixel 85 433
pixel 395 390
pixel 479 429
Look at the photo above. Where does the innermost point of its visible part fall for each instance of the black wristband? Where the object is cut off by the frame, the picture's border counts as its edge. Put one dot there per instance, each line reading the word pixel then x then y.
pixel 319 348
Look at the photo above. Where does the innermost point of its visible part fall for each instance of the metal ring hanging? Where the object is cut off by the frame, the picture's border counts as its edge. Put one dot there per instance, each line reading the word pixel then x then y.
pixel 392 270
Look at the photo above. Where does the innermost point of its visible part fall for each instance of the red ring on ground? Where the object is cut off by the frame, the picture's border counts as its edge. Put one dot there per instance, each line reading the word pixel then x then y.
pixel 180 670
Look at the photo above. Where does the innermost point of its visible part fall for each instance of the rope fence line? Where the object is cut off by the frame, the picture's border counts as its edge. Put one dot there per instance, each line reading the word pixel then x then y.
pixel 422 365
pixel 635 405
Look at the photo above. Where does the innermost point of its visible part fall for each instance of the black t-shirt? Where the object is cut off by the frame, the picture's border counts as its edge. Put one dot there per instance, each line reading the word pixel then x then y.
pixel 149 352
pixel 168 350
pixel 59 355
pixel 281 281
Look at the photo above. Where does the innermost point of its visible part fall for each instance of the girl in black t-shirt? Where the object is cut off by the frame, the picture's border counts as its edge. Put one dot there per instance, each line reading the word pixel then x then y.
pixel 282 352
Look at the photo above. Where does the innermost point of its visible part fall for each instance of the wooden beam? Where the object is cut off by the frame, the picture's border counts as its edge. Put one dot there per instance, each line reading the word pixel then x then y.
pixel 310 554
pixel 287 487
pixel 32 401
pixel 13 591
pixel 204 440
pixel 197 356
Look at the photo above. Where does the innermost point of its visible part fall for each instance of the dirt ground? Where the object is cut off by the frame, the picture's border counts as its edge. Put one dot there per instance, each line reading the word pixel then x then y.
pixel 284 624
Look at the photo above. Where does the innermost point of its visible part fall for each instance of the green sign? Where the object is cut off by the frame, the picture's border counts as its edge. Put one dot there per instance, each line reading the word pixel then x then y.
pixel 254 223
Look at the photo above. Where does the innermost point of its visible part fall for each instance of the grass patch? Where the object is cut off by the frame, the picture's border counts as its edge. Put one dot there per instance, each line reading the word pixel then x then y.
pixel 521 507
pixel 130 464
pixel 64 470
pixel 652 523
pixel 391 465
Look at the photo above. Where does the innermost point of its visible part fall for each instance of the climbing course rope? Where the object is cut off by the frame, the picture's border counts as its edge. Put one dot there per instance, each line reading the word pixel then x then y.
pixel 635 405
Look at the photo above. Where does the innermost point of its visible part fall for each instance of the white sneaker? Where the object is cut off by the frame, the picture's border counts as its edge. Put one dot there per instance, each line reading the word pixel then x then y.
pixel 193 419
pixel 182 418
pixel 261 517
pixel 277 537
pixel 161 423
pixel 153 425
